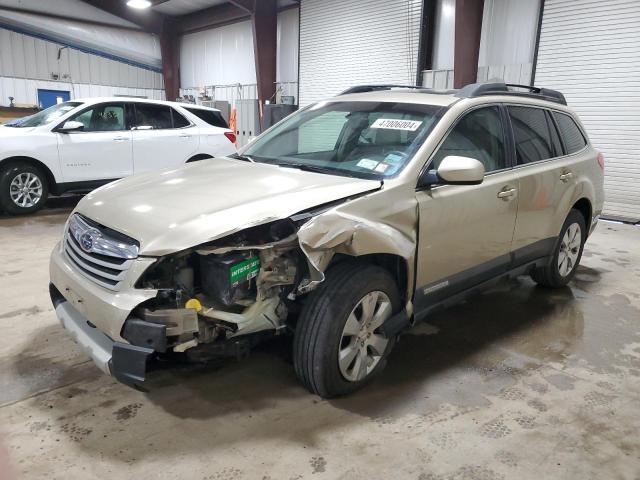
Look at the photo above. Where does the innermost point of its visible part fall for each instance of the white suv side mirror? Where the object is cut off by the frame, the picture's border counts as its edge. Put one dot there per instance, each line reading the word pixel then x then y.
pixel 70 126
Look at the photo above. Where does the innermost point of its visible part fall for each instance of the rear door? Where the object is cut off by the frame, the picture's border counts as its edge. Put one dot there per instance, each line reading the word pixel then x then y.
pixel 213 140
pixel 465 231
pixel 547 180
pixel 162 137
pixel 102 150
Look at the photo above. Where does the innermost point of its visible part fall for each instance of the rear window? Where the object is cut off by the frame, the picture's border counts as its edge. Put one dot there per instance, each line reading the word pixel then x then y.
pixel 574 141
pixel 210 116
pixel 532 134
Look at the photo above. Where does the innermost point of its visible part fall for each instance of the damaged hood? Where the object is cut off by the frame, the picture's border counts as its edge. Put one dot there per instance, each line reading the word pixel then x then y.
pixel 172 210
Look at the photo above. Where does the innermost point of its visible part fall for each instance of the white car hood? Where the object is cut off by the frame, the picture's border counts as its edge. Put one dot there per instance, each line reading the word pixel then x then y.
pixel 173 210
pixel 13 132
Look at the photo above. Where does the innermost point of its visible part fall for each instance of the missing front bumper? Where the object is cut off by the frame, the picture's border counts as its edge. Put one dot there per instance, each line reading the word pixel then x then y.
pixel 129 364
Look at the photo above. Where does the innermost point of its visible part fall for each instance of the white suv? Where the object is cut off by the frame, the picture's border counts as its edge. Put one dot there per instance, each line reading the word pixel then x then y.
pixel 79 145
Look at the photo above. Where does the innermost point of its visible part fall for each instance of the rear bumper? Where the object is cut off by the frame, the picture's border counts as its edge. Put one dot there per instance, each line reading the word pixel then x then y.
pixel 127 363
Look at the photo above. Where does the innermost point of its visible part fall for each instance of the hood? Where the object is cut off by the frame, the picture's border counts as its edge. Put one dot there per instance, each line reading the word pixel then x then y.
pixel 172 210
pixel 9 132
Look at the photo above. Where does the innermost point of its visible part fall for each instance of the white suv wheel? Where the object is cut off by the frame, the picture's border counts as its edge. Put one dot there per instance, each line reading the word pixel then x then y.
pixel 25 190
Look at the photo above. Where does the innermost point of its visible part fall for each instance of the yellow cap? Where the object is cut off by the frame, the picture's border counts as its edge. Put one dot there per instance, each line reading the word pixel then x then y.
pixel 194 303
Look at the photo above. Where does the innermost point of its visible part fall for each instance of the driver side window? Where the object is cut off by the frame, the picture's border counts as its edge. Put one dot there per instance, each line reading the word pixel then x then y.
pixel 102 118
pixel 479 135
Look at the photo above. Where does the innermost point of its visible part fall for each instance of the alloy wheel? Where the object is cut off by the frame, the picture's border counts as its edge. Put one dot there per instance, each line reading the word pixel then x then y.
pixel 26 189
pixel 569 249
pixel 362 345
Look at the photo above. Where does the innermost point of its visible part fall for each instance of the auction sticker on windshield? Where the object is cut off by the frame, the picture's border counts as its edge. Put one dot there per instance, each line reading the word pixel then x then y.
pixel 394 124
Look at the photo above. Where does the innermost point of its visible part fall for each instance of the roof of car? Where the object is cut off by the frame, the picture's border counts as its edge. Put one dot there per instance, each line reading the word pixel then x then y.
pixel 429 96
pixel 399 96
pixel 141 100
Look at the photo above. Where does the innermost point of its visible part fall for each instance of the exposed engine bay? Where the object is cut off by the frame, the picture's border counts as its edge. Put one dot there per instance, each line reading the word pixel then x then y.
pixel 212 296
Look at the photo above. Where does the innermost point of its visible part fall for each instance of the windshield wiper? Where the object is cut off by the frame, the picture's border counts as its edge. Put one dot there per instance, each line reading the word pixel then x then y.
pixel 310 168
pixel 244 158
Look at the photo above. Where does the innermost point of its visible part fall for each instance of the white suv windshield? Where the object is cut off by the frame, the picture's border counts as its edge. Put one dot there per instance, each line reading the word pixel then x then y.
pixel 360 139
pixel 48 115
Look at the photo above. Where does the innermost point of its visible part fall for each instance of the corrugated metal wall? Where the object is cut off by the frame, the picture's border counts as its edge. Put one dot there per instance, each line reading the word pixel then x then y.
pixel 28 63
pixel 357 42
pixel 221 61
pixel 590 50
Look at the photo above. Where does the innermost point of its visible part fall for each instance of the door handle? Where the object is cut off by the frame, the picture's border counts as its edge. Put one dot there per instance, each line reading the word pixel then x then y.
pixel 120 139
pixel 506 193
pixel 566 176
pixel 184 135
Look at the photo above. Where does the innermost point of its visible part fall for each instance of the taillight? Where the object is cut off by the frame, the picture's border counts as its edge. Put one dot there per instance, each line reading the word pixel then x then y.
pixel 231 136
pixel 600 160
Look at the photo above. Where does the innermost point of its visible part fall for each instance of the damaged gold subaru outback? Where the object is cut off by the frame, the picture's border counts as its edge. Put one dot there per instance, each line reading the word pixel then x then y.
pixel 343 225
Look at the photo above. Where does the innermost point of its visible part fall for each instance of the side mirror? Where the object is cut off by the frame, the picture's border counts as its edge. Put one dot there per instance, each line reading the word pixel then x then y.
pixel 70 126
pixel 454 170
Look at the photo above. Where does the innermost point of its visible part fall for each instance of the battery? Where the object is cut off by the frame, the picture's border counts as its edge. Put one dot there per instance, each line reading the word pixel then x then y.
pixel 228 278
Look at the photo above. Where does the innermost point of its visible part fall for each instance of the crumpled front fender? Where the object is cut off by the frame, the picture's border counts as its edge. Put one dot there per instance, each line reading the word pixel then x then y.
pixel 374 224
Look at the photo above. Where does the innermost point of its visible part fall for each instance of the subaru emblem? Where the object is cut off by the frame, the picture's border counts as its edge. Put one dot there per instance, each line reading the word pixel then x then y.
pixel 86 241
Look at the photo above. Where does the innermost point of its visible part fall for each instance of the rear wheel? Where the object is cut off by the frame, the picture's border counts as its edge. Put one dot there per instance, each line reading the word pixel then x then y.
pixel 23 188
pixel 338 344
pixel 567 254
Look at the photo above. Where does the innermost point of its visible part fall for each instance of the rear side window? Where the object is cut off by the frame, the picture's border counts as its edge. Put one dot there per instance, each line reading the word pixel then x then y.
pixel 178 120
pixel 574 141
pixel 212 117
pixel 532 134
pixel 156 117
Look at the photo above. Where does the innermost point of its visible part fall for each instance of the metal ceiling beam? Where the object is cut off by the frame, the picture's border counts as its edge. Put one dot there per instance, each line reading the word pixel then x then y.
pixel 247 5
pixel 210 18
pixel 64 17
pixel 148 20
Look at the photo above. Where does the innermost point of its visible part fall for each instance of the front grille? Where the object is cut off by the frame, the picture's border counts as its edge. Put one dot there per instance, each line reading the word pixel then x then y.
pixel 96 253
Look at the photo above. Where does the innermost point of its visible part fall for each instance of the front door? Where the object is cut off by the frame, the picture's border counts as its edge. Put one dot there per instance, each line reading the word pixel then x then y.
pixel 102 150
pixel 162 138
pixel 465 231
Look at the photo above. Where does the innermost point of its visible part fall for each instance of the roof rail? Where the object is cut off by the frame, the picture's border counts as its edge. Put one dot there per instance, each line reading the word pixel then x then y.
pixel 374 88
pixel 498 88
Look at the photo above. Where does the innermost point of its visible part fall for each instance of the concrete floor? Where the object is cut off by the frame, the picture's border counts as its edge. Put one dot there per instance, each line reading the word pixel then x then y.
pixel 519 382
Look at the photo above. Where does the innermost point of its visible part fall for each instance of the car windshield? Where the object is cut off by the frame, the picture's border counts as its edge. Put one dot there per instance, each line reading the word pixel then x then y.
pixel 360 139
pixel 48 115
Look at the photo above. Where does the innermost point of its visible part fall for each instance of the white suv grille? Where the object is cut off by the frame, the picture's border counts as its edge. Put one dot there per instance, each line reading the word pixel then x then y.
pixel 100 254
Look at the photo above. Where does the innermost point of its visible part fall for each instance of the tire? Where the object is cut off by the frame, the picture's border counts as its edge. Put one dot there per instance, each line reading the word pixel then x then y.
pixel 322 332
pixel 566 255
pixel 11 178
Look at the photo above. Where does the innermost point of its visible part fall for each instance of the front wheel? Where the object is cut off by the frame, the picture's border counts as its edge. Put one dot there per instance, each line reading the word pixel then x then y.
pixel 567 254
pixel 23 189
pixel 338 344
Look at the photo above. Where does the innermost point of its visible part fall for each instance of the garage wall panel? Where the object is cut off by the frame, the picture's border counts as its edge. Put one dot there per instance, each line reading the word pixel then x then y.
pixel 590 50
pixel 357 42
pixel 25 91
pixel 219 56
pixel 287 49
pixel 28 61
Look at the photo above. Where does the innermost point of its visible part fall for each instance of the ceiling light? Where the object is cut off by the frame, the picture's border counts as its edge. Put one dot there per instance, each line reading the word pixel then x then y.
pixel 139 4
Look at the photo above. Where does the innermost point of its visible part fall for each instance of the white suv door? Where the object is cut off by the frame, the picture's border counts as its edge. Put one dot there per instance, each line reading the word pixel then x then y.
pixel 162 137
pixel 101 150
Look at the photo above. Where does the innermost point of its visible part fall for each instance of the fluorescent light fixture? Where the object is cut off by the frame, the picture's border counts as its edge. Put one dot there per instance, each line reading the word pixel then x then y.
pixel 139 4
